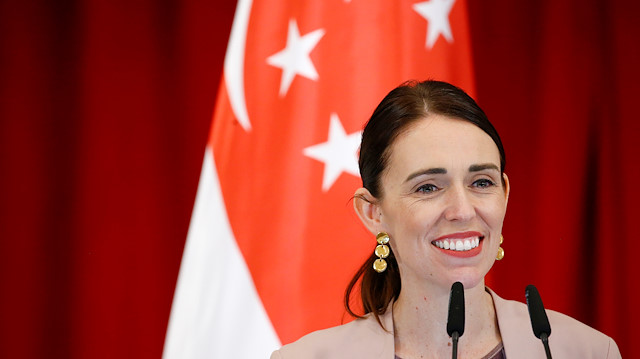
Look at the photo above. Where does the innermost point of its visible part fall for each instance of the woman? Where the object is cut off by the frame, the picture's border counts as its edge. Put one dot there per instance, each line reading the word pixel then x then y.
pixel 434 196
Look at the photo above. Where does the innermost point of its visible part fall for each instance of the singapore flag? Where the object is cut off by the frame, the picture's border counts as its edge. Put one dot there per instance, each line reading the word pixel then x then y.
pixel 273 239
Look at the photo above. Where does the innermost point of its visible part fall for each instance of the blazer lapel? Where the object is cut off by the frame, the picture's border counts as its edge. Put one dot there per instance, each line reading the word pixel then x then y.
pixel 515 329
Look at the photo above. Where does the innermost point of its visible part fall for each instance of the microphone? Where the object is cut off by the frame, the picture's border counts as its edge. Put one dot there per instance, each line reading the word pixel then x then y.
pixel 455 321
pixel 539 321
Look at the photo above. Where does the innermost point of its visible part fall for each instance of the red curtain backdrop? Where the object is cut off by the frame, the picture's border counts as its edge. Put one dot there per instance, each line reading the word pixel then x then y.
pixel 105 109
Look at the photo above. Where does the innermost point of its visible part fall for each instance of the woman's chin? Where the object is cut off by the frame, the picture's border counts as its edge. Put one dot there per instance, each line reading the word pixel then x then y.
pixel 468 277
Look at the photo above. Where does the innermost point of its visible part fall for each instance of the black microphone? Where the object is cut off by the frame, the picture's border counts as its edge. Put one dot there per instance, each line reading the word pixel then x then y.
pixel 539 321
pixel 455 322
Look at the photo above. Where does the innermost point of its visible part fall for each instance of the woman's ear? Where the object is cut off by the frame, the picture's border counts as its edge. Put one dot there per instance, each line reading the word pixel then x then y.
pixel 367 209
pixel 507 187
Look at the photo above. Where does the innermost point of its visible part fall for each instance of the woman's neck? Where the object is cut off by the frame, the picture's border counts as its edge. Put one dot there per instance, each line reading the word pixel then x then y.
pixel 420 322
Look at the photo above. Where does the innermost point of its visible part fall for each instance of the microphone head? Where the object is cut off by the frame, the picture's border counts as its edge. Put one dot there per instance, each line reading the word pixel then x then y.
pixel 539 319
pixel 455 322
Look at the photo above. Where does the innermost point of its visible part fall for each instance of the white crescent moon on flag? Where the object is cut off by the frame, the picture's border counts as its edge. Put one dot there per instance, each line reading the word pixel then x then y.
pixel 234 64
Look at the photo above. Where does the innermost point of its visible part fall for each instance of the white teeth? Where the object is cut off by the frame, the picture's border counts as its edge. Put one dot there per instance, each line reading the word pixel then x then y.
pixel 467 245
pixel 458 245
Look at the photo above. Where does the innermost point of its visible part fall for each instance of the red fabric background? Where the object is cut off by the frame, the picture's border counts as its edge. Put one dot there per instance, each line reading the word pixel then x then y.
pixel 104 113
pixel 105 109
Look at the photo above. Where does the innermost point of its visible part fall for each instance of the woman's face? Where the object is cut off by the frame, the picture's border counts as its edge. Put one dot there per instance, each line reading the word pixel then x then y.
pixel 443 202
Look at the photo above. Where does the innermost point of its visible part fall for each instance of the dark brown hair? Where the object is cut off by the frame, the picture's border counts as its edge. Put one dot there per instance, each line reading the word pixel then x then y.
pixel 403 106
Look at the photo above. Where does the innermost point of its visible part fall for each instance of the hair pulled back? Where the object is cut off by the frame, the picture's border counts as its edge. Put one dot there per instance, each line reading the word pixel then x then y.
pixel 406 104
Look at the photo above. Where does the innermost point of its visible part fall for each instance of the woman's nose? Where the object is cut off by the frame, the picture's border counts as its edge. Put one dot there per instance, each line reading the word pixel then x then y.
pixel 459 206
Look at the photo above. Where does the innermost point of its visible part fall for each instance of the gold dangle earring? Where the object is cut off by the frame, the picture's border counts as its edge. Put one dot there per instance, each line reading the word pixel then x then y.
pixel 500 250
pixel 382 251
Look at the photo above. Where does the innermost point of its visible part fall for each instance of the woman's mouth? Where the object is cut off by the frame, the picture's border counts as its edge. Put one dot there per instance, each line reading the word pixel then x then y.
pixel 459 245
pixel 463 245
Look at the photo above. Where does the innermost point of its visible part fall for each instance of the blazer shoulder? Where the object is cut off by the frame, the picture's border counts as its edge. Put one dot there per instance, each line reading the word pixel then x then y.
pixel 569 337
pixel 354 339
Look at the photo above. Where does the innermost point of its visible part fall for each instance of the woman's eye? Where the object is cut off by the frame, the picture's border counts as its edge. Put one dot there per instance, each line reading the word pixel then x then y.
pixel 427 188
pixel 483 183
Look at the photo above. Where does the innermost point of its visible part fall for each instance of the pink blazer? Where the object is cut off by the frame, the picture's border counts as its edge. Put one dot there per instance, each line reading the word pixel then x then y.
pixel 364 338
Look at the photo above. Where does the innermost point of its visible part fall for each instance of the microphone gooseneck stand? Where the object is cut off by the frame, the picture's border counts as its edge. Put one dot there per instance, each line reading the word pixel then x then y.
pixel 455 338
pixel 545 341
pixel 455 321
pixel 539 320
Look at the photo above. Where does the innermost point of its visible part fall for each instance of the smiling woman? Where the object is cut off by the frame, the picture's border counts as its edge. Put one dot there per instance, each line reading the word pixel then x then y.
pixel 442 184
pixel 434 196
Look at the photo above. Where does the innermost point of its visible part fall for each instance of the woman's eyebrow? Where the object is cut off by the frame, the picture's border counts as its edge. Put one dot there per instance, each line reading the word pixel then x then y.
pixel 440 170
pixel 483 166
pixel 429 171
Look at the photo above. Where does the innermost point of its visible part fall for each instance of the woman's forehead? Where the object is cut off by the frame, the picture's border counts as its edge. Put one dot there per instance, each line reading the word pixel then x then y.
pixel 442 142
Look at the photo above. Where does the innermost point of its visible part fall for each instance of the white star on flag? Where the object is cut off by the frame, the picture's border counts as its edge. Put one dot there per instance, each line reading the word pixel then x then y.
pixel 294 58
pixel 339 153
pixel 436 12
